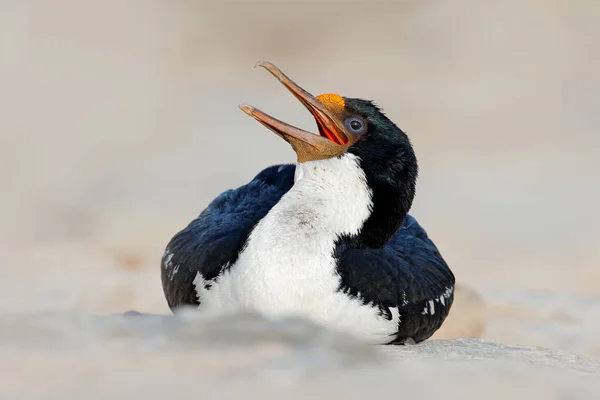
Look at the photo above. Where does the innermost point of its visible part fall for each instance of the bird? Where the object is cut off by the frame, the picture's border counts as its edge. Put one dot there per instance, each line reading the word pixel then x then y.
pixel 328 238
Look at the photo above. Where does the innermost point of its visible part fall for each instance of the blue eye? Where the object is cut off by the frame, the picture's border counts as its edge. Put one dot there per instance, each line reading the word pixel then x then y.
pixel 355 125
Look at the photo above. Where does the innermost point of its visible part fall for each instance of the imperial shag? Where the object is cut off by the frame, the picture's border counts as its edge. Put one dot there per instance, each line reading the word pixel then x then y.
pixel 328 238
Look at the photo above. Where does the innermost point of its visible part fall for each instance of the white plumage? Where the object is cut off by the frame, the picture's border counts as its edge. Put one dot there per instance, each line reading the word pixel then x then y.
pixel 287 266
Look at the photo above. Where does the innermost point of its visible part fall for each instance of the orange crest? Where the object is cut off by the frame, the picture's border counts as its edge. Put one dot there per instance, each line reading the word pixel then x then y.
pixel 332 100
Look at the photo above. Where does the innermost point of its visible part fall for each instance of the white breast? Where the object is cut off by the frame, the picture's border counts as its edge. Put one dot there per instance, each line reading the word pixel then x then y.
pixel 287 267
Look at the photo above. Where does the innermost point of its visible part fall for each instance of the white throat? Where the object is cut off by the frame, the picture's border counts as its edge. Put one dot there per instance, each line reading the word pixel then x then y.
pixel 335 190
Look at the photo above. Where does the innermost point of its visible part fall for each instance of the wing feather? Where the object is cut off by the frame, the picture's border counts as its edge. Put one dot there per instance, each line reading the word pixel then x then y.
pixel 409 274
pixel 213 240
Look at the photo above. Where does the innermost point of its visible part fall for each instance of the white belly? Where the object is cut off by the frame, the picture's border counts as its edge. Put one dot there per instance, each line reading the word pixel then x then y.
pixel 315 299
pixel 287 267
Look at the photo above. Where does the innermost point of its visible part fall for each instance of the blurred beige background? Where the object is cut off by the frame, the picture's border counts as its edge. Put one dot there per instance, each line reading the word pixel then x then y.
pixel 119 123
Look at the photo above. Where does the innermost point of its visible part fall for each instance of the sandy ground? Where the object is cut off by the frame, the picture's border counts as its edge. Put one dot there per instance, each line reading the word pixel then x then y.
pixel 119 123
pixel 84 356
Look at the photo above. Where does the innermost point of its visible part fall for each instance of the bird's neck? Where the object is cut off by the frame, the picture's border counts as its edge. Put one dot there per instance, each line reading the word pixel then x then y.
pixel 393 191
pixel 330 199
pixel 333 191
pixel 357 200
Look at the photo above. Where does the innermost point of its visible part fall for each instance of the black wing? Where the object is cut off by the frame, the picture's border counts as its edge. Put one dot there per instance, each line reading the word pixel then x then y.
pixel 409 273
pixel 213 241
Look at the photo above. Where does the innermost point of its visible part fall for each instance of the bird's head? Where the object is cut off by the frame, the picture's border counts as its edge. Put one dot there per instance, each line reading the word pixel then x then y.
pixel 345 125
pixel 358 127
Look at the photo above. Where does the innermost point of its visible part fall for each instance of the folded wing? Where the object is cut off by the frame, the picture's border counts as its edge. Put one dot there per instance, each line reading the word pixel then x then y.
pixel 212 242
pixel 409 274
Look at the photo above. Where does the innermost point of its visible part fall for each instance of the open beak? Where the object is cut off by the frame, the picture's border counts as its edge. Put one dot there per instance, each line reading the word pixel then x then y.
pixel 308 146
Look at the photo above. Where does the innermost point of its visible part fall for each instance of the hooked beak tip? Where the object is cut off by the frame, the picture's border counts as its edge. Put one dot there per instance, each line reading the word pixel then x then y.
pixel 246 108
pixel 264 64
